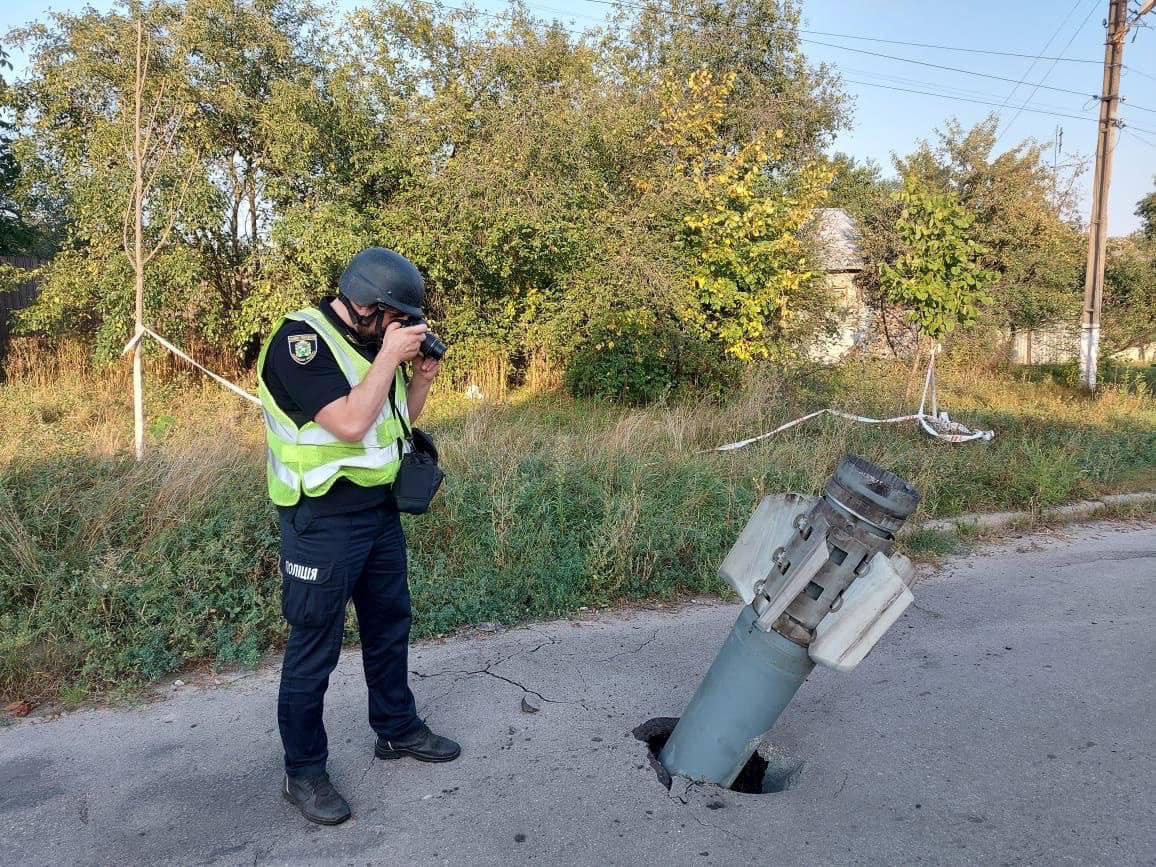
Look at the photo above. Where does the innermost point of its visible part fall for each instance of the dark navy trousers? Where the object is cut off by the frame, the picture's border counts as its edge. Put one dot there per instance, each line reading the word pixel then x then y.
pixel 326 560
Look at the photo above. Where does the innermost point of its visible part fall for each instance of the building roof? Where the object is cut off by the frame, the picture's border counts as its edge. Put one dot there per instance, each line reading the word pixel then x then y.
pixel 839 238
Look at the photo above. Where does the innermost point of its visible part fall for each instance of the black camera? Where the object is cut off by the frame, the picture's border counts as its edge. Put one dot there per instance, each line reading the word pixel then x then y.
pixel 432 346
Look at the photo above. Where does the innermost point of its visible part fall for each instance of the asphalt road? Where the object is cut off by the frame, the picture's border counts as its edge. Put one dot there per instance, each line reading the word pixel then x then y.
pixel 1010 718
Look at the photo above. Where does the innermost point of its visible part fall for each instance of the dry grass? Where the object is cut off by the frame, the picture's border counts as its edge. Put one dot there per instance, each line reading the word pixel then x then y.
pixel 56 406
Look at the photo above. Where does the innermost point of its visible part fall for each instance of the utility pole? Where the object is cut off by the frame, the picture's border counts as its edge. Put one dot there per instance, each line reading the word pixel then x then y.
pixel 1118 26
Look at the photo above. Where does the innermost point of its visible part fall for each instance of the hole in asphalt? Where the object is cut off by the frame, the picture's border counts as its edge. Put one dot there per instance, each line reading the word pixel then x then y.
pixel 767 772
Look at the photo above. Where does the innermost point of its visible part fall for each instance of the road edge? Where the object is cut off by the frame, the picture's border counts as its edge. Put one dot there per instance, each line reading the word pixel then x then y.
pixel 997 520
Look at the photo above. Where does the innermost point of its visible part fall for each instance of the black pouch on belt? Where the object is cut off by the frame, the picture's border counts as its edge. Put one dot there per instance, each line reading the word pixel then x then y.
pixel 419 476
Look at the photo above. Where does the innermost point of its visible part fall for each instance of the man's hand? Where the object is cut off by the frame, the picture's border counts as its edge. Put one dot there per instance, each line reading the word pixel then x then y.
pixel 423 375
pixel 402 344
pixel 349 418
pixel 426 370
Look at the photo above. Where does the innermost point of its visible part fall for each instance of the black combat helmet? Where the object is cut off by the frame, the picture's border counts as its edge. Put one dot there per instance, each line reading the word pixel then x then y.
pixel 380 276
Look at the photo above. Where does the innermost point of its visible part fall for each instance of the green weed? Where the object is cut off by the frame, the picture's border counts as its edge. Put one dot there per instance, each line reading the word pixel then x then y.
pixel 930 544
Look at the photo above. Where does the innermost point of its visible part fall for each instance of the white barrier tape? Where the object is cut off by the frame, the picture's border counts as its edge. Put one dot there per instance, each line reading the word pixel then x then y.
pixel 955 433
pixel 236 389
pixel 962 434
pixel 131 345
pixel 744 443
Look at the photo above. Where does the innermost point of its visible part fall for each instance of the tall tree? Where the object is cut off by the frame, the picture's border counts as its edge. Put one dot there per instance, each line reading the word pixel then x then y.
pixel 241 55
pixel 775 88
pixel 1025 218
pixel 77 133
pixel 938 279
pixel 153 121
pixel 226 59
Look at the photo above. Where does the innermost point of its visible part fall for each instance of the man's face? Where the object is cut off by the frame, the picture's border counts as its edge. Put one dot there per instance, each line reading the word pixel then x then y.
pixel 370 332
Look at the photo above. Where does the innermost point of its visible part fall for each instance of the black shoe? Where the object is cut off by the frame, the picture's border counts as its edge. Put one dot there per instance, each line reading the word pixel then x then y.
pixel 422 745
pixel 316 798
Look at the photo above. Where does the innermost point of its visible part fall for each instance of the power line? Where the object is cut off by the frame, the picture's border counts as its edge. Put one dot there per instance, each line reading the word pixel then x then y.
pixel 1036 86
pixel 1140 138
pixel 1125 101
pixel 959 69
pixel 976 101
pixel 856 36
pixel 1036 59
pixel 507 17
pixel 1079 30
pixel 1139 72
pixel 991 103
pixel 941 88
pixel 874 75
pixel 944 47
pixel 1024 107
pixel 569 13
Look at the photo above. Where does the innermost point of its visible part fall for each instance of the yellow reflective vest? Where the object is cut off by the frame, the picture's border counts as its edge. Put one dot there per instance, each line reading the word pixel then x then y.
pixel 309 458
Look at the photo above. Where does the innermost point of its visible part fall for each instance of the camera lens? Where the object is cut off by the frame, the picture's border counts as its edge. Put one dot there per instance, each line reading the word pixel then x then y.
pixel 432 346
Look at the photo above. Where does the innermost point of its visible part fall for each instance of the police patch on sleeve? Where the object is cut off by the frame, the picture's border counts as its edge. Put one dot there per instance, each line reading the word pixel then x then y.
pixel 303 347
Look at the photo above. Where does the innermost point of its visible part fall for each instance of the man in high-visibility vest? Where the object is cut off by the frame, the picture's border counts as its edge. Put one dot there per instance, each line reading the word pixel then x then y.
pixel 337 401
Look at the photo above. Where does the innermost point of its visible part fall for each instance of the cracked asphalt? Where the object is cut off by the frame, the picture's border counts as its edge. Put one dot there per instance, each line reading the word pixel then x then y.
pixel 1006 719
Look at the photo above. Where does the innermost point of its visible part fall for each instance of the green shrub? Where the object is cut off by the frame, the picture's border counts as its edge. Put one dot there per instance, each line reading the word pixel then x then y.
pixel 638 359
pixel 628 364
pixel 1135 379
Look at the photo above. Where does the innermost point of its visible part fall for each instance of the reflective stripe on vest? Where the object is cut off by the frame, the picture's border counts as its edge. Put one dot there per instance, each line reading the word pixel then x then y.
pixel 309 458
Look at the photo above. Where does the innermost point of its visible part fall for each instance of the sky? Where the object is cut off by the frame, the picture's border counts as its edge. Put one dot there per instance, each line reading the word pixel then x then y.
pixel 889 117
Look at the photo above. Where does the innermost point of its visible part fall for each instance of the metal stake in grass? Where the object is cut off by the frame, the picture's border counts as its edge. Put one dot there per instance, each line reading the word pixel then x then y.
pixel 821 585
